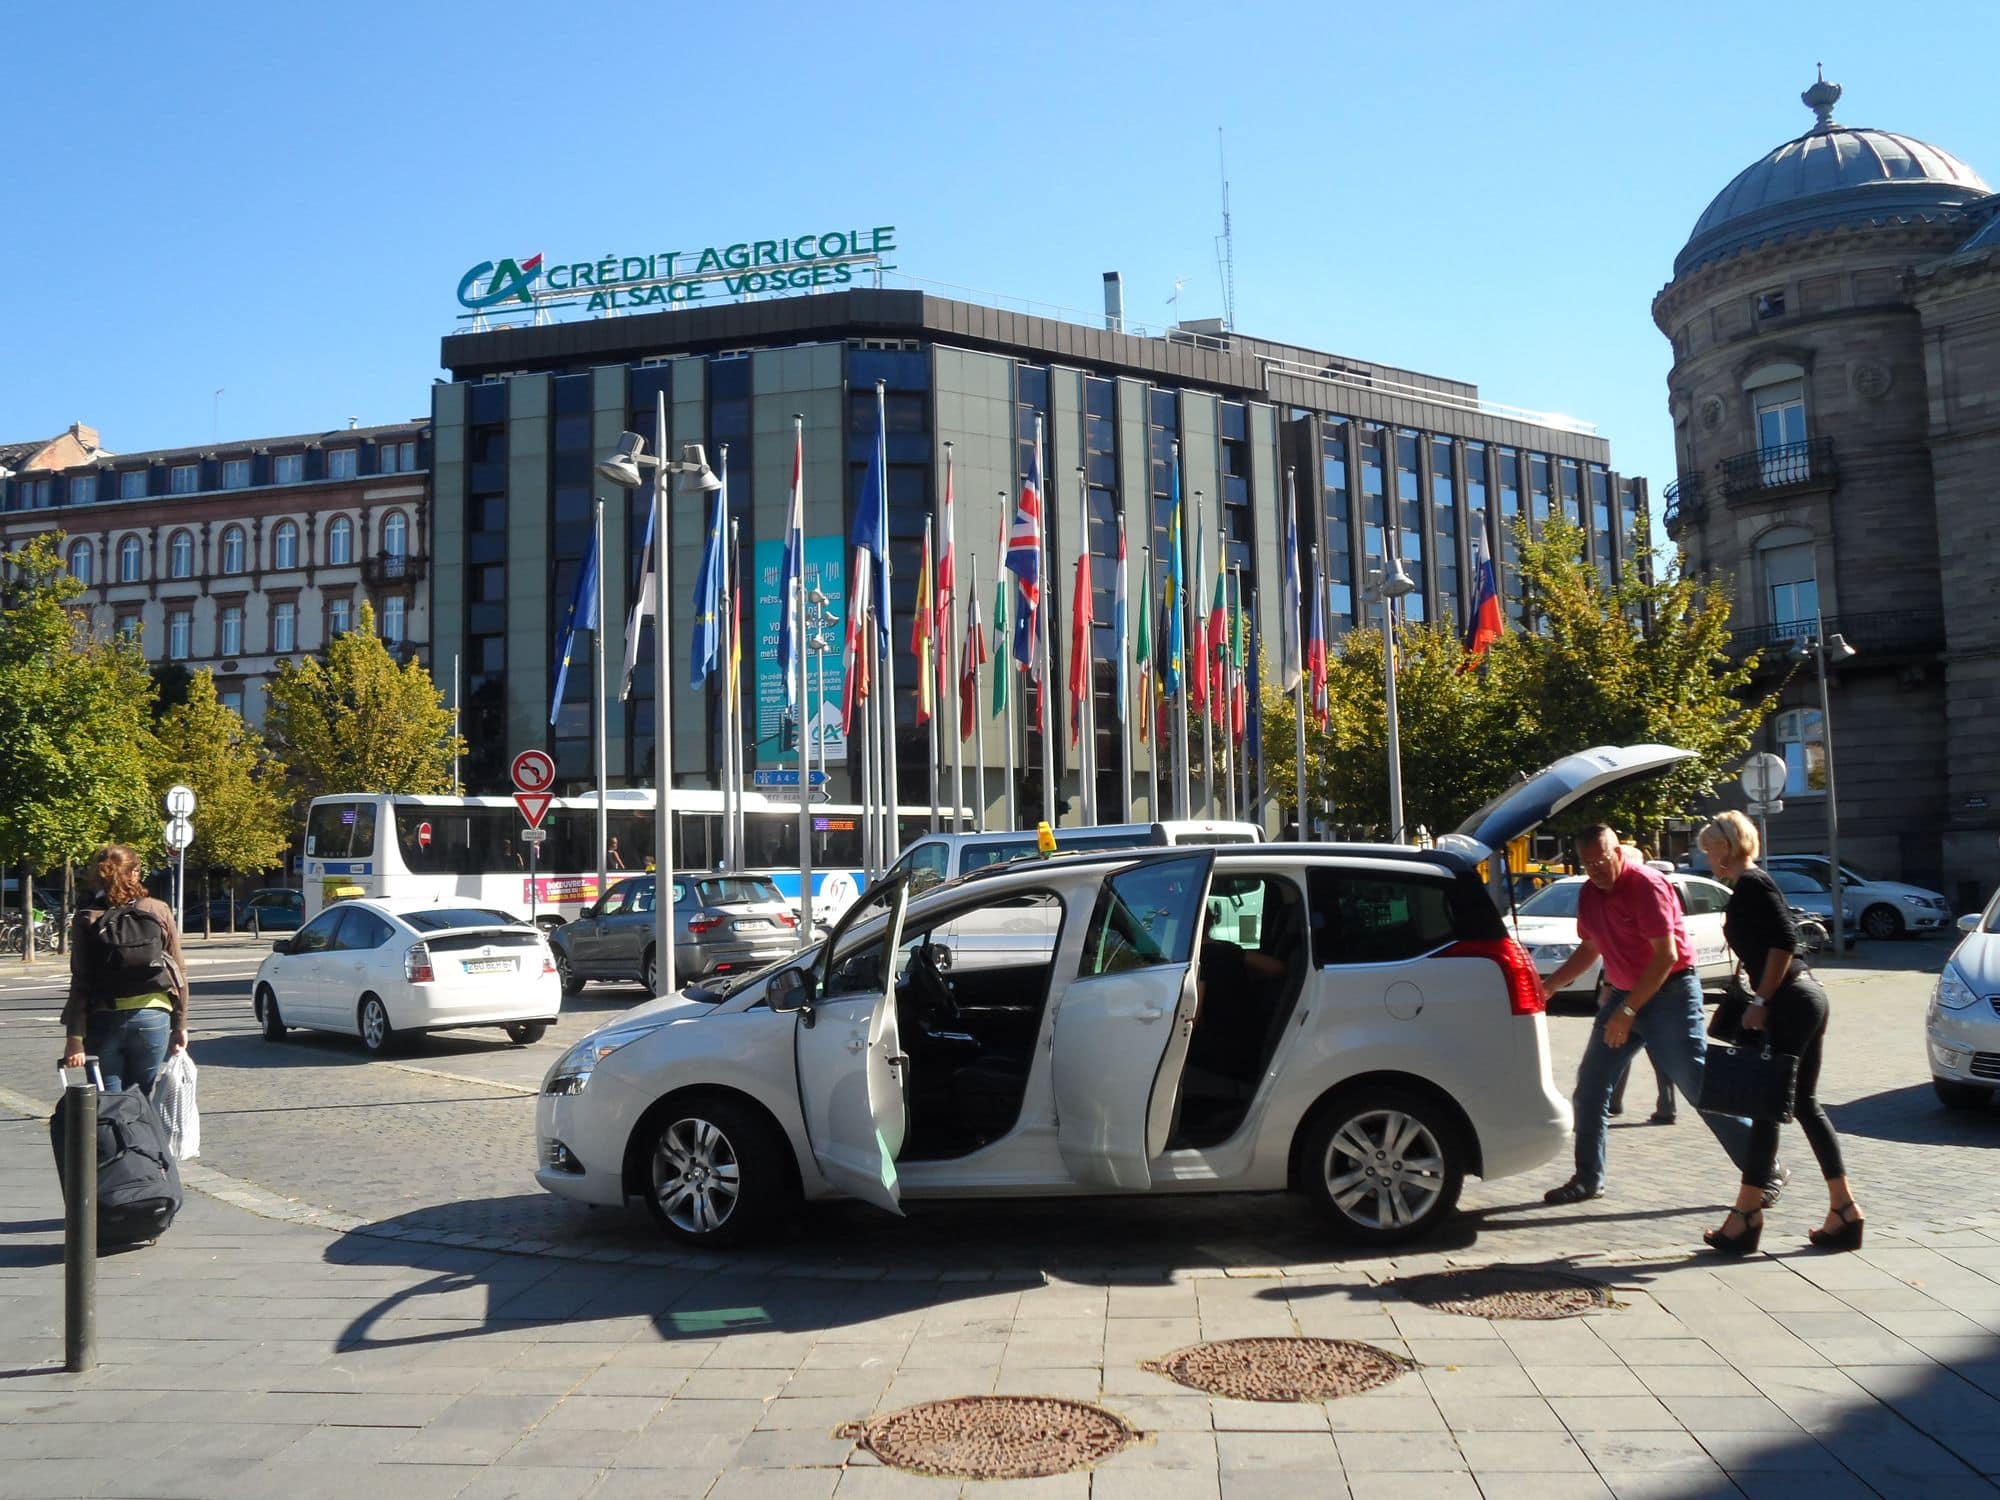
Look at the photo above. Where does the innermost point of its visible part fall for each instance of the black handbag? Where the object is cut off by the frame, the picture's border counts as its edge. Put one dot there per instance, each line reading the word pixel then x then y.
pixel 1748 1082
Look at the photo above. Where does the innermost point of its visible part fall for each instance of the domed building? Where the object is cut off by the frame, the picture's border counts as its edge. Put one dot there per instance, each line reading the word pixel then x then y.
pixel 1835 391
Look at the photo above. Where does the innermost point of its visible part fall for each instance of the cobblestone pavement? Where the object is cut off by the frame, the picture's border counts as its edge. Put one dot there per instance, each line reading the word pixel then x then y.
pixel 249 1355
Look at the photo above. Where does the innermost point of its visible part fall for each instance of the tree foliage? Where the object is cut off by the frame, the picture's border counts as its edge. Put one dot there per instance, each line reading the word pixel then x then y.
pixel 1641 661
pixel 358 722
pixel 75 739
pixel 242 819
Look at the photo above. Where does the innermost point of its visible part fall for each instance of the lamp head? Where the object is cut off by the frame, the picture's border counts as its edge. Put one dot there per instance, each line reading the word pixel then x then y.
pixel 622 467
pixel 1837 648
pixel 696 476
pixel 1396 584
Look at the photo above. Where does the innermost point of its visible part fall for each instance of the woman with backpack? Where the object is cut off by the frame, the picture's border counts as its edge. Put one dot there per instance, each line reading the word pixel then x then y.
pixel 127 980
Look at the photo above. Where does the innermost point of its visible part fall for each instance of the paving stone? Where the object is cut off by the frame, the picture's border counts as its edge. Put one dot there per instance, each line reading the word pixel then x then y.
pixel 1289 1452
pixel 1397 1452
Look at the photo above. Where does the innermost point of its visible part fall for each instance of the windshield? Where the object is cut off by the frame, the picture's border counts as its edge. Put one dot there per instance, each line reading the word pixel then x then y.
pixel 1553 901
pixel 442 918
pixel 735 891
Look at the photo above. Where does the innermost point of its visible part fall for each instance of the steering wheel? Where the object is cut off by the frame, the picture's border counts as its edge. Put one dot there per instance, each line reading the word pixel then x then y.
pixel 928 978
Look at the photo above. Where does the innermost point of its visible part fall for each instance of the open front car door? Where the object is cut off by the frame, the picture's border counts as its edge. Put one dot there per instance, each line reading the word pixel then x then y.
pixel 850 1056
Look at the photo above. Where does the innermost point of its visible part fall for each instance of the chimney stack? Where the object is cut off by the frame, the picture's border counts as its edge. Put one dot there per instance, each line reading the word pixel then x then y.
pixel 1114 302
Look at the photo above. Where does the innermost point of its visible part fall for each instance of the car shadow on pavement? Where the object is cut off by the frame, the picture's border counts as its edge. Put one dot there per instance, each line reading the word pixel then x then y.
pixel 1914 1116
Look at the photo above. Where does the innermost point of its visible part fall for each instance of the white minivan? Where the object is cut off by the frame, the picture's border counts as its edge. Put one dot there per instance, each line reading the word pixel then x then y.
pixel 939 857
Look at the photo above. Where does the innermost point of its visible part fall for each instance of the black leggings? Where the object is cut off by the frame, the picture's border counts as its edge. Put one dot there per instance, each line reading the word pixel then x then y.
pixel 1796 1019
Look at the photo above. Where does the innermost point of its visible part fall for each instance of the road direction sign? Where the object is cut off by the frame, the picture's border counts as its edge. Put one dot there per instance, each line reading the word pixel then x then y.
pixel 1763 778
pixel 534 806
pixel 779 780
pixel 533 771
pixel 1767 809
pixel 180 801
pixel 178 833
pixel 534 835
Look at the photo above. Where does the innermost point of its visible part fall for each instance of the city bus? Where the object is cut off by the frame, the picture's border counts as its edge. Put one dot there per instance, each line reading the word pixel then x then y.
pixel 469 849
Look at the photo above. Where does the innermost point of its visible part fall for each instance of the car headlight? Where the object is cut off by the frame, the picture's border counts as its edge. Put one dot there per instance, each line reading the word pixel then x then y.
pixel 571 1074
pixel 1953 993
pixel 1554 952
pixel 1923 901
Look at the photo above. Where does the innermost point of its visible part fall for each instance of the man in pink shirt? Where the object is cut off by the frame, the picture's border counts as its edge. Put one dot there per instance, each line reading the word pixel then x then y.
pixel 1629 916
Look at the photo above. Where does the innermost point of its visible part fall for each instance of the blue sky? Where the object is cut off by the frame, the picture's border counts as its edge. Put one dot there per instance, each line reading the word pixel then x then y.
pixel 278 201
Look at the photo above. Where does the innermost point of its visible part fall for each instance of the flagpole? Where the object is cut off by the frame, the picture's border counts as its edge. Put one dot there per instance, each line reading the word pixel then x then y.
pixel 1122 678
pixel 1146 706
pixel 1228 705
pixel 663 718
pixel 1255 706
pixel 1086 719
pixel 978 728
pixel 892 782
pixel 797 605
pixel 1183 791
pixel 738 749
pixel 1046 590
pixel 948 646
pixel 597 664
pixel 1003 661
pixel 729 777
pixel 864 742
pixel 1208 677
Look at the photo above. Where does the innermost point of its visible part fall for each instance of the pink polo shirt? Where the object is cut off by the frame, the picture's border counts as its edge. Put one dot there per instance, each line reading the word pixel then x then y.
pixel 1622 923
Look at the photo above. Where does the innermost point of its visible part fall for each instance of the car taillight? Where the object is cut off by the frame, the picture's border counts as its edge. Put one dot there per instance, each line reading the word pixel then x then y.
pixel 785 919
pixel 417 965
pixel 1524 986
pixel 699 925
pixel 548 962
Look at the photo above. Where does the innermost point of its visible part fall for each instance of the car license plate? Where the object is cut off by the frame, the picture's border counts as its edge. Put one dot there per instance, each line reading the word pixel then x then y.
pixel 752 924
pixel 489 965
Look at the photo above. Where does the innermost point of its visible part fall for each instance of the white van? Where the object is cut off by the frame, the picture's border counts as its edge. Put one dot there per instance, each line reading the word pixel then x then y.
pixel 938 857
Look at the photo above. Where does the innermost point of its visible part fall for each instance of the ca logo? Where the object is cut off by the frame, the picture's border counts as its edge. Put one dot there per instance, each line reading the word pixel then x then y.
pixel 507 282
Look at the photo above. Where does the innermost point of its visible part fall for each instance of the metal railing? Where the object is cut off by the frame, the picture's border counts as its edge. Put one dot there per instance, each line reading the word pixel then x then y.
pixel 1882 632
pixel 392 567
pixel 1687 504
pixel 1362 380
pixel 1784 467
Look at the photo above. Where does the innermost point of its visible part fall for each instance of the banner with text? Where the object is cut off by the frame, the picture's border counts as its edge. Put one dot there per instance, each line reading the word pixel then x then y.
pixel 825 569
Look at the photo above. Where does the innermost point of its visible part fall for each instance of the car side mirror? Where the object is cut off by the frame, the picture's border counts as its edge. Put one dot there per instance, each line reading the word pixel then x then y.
pixel 283 945
pixel 789 990
pixel 1969 923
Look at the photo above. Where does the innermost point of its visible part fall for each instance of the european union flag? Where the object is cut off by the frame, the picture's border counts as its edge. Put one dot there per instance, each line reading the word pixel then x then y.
pixel 582 615
pixel 707 655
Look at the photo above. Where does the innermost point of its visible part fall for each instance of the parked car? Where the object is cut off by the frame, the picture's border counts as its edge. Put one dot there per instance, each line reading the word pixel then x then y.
pixel 1883 908
pixel 274 909
pixel 723 924
pixel 1806 893
pixel 1962 1024
pixel 1546 925
pixel 1350 1022
pixel 382 969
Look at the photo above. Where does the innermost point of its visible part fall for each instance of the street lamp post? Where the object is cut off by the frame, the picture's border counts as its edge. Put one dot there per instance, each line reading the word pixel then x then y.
pixel 627 468
pixel 1819 648
pixel 1389 585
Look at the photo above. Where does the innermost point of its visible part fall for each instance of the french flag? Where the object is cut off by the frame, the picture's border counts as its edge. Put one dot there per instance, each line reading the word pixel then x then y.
pixel 1484 622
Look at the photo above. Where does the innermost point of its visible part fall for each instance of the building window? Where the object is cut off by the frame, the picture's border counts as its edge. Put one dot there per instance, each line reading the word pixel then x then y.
pixel 339 617
pixel 1410 520
pixel 231 641
pixel 34 493
pixel 1771 304
pixel 285 545
pixel 395 534
pixel 184 479
pixel 409 456
pixel 180 555
pixel 180 626
pixel 288 468
pixel 132 484
pixel 394 612
pixel 1781 419
pixel 131 560
pixel 128 627
pixel 79 562
pixel 232 550
pixel 1791 582
pixel 396 458
pixel 385 459
pixel 284 626
pixel 232 700
pixel 340 541
pixel 83 489
pixel 1802 742
pixel 340 463
pixel 1444 525
pixel 236 474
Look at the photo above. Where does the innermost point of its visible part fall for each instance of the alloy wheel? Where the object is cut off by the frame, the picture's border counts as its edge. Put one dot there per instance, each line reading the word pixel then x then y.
pixel 1882 923
pixel 697 1179
pixel 1384 1169
pixel 374 1025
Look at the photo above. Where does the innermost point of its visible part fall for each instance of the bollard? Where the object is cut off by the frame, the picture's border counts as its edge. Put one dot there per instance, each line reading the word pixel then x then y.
pixel 79 1227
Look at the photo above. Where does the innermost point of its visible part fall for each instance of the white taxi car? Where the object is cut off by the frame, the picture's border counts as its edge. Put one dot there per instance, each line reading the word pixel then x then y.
pixel 1348 1021
pixel 383 969
pixel 1546 925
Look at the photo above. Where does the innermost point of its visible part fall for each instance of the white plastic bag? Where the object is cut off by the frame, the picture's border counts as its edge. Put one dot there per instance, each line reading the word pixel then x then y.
pixel 173 1098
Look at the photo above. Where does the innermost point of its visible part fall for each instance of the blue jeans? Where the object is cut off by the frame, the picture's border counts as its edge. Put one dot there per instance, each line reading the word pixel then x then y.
pixel 1671 1027
pixel 129 1046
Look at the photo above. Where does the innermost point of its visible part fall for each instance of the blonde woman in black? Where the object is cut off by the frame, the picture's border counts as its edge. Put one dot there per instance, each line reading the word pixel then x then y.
pixel 1790 1008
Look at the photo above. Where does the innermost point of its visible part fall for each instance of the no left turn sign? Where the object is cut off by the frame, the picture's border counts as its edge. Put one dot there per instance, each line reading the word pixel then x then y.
pixel 533 771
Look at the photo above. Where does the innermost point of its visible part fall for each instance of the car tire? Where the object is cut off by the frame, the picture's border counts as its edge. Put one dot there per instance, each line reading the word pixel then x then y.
pixel 526 1033
pixel 1955 1095
pixel 748 1187
pixel 649 972
pixel 1349 1140
pixel 378 1037
pixel 1882 922
pixel 566 974
pixel 269 1021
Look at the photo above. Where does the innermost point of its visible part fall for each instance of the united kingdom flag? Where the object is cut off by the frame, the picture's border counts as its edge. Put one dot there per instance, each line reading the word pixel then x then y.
pixel 1024 560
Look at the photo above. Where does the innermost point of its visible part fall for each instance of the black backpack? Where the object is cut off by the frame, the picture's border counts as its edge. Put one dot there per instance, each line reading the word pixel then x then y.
pixel 127 952
pixel 138 1183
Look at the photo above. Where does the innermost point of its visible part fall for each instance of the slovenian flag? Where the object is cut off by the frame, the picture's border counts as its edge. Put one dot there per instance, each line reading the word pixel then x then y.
pixel 1316 645
pixel 1484 625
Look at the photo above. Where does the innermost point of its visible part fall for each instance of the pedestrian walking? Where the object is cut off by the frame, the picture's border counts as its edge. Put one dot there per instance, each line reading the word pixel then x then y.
pixel 127 979
pixel 1788 1007
pixel 1628 916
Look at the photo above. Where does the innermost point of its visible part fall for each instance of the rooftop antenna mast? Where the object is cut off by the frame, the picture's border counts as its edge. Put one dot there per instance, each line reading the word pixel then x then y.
pixel 1226 242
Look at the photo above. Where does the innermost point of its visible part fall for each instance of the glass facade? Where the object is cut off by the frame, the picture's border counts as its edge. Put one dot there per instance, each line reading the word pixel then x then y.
pixel 484 714
pixel 1444 527
pixel 1410 519
pixel 572 460
pixel 1336 554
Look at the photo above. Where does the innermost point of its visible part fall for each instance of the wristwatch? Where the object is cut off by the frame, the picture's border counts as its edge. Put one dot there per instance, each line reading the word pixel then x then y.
pixel 1628 1011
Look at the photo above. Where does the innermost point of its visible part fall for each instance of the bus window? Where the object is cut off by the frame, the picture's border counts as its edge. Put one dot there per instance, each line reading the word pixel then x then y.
pixel 341 830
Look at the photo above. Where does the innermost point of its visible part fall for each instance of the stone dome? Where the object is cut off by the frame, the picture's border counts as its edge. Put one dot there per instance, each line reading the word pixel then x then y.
pixel 1832 176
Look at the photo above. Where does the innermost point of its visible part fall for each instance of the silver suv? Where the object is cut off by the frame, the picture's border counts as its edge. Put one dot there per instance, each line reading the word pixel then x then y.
pixel 723 924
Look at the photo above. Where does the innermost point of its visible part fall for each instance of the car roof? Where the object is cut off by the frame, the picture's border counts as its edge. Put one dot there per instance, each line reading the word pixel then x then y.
pixel 1437 861
pixel 398 907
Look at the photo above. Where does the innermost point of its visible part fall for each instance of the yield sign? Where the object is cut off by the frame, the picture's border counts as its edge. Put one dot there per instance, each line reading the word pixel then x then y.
pixel 534 806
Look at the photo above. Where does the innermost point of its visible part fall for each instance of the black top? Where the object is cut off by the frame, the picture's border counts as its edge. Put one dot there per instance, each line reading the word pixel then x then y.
pixel 1757 921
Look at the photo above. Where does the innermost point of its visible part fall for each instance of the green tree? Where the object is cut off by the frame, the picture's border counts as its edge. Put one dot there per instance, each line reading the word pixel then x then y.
pixel 358 722
pixel 242 820
pixel 75 739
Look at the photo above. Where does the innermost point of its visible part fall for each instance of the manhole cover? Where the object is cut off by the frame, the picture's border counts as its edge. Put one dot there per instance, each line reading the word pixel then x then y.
pixel 1281 1369
pixel 994 1437
pixel 1505 1292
